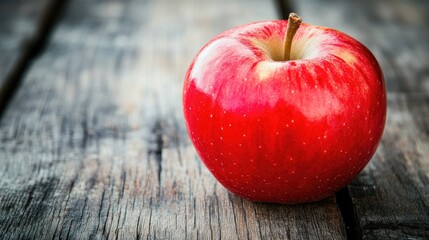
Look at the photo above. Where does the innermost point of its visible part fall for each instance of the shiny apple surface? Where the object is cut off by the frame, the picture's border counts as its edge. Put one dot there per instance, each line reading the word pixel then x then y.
pixel 284 131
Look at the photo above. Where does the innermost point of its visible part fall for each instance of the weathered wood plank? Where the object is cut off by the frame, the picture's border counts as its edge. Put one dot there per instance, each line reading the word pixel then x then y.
pixel 94 146
pixel 22 26
pixel 390 198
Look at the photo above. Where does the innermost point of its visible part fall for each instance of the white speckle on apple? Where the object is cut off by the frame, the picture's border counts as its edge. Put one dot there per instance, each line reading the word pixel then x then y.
pixel 324 103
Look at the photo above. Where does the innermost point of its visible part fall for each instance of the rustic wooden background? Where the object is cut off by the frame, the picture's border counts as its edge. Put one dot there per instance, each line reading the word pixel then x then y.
pixel 93 143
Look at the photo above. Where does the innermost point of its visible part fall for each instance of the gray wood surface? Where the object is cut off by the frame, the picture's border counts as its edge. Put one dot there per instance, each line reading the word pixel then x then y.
pixel 390 198
pixel 93 144
pixel 21 28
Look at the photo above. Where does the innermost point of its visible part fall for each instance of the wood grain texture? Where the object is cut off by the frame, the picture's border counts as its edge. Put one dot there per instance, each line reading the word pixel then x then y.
pixel 22 24
pixel 390 197
pixel 93 145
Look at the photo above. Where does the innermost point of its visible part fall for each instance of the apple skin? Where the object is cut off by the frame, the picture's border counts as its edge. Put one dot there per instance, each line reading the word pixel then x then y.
pixel 284 131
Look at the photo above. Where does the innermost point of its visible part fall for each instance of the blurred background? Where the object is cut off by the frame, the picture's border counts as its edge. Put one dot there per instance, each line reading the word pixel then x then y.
pixel 93 142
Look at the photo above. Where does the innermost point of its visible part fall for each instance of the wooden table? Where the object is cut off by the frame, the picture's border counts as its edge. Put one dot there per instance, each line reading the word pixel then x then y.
pixel 92 137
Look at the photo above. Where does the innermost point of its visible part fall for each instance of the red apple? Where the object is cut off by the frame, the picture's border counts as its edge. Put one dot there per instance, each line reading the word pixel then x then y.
pixel 289 130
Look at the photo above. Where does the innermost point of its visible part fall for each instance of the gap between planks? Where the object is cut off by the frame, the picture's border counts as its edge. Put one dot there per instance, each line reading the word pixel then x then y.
pixel 32 48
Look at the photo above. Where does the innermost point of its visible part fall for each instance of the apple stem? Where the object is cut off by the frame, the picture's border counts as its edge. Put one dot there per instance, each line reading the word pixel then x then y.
pixel 292 26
